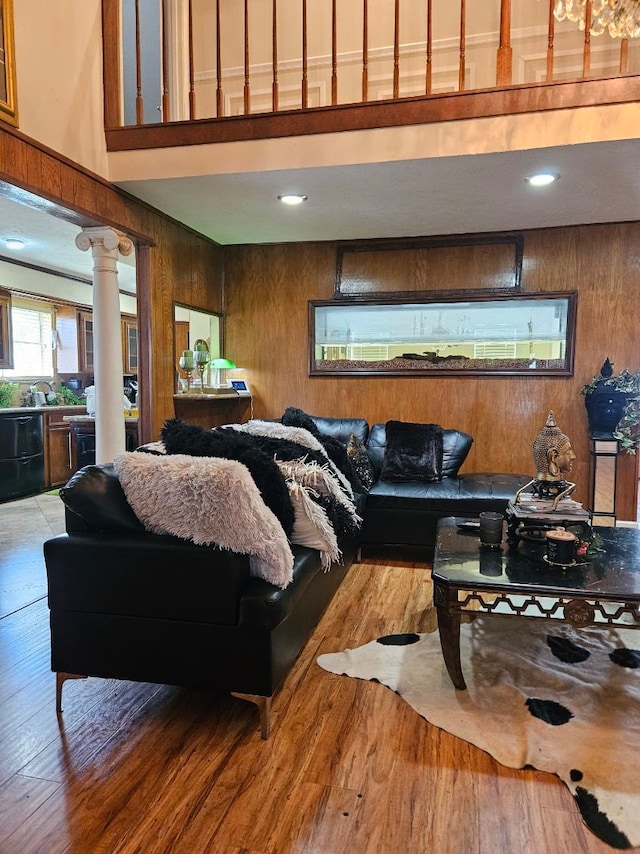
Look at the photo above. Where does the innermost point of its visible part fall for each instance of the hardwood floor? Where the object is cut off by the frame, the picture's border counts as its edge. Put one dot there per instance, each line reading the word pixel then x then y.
pixel 349 766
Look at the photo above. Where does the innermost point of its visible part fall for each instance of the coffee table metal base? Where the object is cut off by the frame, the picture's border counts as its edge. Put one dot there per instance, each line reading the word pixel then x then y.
pixel 604 593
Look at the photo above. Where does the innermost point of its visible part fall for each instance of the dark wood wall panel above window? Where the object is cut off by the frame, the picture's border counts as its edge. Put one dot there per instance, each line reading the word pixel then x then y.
pixel 469 263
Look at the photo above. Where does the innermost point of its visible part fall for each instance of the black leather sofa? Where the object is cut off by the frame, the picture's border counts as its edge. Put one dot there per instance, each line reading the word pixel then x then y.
pixel 404 516
pixel 129 604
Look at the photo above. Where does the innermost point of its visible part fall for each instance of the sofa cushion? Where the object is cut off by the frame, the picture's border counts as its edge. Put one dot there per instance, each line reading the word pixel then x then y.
pixel 94 494
pixel 413 452
pixel 452 496
pixel 342 428
pixel 455 448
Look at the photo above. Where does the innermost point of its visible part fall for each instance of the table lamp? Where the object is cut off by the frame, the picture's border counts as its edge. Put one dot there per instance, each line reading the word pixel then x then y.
pixel 218 366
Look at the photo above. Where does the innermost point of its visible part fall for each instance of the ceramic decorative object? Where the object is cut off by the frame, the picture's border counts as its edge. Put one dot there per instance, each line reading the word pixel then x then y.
pixel 607 397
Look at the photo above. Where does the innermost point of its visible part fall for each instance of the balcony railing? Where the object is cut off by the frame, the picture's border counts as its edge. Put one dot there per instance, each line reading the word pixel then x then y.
pixel 232 69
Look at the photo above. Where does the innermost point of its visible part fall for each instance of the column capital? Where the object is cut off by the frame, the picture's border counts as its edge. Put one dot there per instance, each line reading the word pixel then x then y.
pixel 103 235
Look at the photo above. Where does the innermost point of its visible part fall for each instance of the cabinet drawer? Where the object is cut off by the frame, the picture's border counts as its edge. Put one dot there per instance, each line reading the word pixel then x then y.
pixel 21 476
pixel 20 435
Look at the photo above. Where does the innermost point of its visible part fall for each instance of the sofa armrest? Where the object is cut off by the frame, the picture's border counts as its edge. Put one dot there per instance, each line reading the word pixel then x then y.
pixel 95 496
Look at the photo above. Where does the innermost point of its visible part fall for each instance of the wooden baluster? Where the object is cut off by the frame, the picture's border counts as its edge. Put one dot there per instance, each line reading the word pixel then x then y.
pixel 139 100
pixel 274 56
pixel 504 63
pixel 429 65
pixel 624 56
pixel 365 51
pixel 396 50
pixel 246 59
pixel 586 52
pixel 219 100
pixel 463 28
pixel 166 105
pixel 334 55
pixel 305 81
pixel 112 37
pixel 192 91
pixel 550 39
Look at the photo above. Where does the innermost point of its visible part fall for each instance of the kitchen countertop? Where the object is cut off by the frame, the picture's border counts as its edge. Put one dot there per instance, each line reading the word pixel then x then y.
pixel 31 409
pixel 90 418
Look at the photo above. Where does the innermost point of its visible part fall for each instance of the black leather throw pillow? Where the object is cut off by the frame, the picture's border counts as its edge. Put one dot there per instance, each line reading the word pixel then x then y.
pixel 181 438
pixel 412 452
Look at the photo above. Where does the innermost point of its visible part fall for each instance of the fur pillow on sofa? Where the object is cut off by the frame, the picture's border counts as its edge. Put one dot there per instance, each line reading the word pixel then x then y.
pixel 181 438
pixel 413 452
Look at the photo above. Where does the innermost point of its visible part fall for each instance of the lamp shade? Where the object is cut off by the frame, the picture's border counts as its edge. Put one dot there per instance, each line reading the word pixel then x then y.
pixel 222 364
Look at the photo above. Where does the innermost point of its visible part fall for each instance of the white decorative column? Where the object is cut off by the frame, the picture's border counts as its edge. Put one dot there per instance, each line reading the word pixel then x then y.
pixel 105 244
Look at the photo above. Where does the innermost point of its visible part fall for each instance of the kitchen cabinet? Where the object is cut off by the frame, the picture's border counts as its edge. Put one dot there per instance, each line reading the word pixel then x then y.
pixel 6 344
pixel 85 341
pixel 130 344
pixel 21 454
pixel 57 450
pixel 129 332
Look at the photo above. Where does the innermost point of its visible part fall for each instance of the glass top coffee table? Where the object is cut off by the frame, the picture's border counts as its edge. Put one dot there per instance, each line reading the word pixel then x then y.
pixel 469 579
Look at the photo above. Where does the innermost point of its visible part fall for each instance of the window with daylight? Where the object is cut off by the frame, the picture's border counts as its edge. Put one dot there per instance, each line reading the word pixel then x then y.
pixel 32 334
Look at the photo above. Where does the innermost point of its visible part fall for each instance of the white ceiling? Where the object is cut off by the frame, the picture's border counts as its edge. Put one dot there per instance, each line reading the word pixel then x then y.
pixel 599 182
pixel 50 244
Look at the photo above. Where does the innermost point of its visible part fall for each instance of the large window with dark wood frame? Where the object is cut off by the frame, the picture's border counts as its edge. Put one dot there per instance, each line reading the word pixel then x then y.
pixel 454 335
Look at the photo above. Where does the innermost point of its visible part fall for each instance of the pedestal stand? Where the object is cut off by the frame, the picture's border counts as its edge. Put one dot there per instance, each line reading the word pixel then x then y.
pixel 603 452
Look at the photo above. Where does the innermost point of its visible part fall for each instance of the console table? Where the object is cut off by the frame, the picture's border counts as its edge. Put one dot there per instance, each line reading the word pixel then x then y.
pixel 468 579
pixel 212 410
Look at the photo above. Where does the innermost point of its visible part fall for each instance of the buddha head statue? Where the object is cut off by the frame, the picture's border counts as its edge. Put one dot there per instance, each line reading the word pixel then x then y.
pixel 552 452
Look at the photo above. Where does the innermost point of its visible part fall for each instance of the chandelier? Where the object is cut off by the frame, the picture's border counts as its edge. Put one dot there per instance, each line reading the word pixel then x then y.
pixel 620 17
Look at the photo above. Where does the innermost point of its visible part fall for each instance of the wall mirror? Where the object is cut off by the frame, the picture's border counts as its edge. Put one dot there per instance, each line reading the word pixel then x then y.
pixel 500 334
pixel 189 326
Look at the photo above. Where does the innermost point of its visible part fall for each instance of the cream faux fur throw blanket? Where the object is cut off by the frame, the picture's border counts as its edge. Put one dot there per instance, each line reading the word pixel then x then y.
pixel 207 500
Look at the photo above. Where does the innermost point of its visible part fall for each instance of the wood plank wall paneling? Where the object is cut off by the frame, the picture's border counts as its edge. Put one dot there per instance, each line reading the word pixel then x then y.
pixel 428 269
pixel 175 263
pixel 266 293
pixel 267 289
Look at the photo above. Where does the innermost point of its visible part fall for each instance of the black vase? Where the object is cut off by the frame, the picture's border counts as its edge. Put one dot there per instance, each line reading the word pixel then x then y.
pixel 605 407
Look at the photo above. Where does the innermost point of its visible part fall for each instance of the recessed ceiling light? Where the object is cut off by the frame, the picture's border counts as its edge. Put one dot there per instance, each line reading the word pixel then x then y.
pixel 542 179
pixel 292 198
pixel 14 243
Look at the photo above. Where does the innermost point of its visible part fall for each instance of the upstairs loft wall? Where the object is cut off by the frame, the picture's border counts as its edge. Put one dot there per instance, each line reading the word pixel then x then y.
pixel 267 289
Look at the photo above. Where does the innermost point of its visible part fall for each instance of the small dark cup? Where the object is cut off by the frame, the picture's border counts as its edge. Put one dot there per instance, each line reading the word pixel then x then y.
pixel 491 529
pixel 490 562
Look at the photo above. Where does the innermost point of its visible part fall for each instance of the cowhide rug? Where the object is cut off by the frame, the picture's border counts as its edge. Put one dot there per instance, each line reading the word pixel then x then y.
pixel 538 693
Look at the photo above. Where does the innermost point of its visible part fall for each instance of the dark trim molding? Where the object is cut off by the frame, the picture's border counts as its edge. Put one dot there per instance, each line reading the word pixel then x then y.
pixel 528 98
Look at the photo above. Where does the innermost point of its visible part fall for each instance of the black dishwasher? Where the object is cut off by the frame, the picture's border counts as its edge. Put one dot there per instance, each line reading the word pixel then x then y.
pixel 21 454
